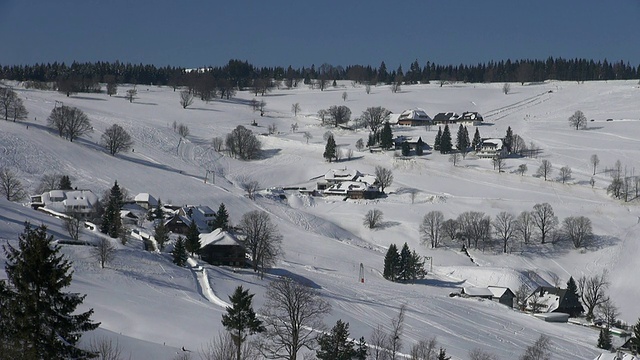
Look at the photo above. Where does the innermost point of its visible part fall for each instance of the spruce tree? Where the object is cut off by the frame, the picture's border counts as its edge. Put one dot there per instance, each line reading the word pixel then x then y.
pixel 436 142
pixel 405 263
pixel 604 339
pixel 391 263
pixel 336 345
pixel 330 149
pixel 442 355
pixel 476 140
pixel 158 213
pixel 445 141
pixel 362 349
pixel 240 319
pixel 192 242
pixel 419 147
pixel 111 221
pixel 222 218
pixel 65 183
pixel 635 339
pixel 406 148
pixel 386 137
pixel 179 252
pixel 572 287
pixel 38 320
pixel 462 139
pixel 508 139
pixel 161 234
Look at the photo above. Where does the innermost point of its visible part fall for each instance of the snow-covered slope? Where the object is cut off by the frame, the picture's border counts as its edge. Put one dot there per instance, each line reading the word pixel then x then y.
pixel 146 300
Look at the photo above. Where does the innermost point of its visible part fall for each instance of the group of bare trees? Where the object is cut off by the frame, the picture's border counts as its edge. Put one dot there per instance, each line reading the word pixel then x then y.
pixel 116 139
pixel 243 144
pixel 10 186
pixel 624 184
pixel 474 228
pixel 69 122
pixel 11 105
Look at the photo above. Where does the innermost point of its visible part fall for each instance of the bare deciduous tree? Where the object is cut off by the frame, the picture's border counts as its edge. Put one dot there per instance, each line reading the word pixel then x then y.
pixel 70 122
pixel 506 88
pixel 544 220
pixel 292 313
pixel 425 350
pixel 609 312
pixel 183 130
pixel 522 169
pixel 217 143
pixel 578 230
pixel 504 227
pixel 106 349
pixel 450 229
pixel 262 240
pixel 367 88
pixel 339 114
pixel 454 158
pixel 272 129
pixel 431 227
pixel 307 136
pixel 521 295
pixel 219 348
pixel 524 226
pixel 186 98
pixel 48 182
pixel 498 163
pixel 384 177
pixel 378 340
pixel 475 226
pixel 10 187
pixel 540 350
pixel 592 291
pixel 394 339
pixel 545 169
pixel 372 218
pixel 242 143
pixel 295 109
pixel 131 94
pixel 249 185
pixel 578 120
pixel 294 127
pixel 324 116
pixel 360 144
pixel 7 98
pixel 103 251
pixel 565 174
pixel 116 139
pixel 479 354
pixel 594 161
pixel 73 225
pixel 375 117
pixel 344 96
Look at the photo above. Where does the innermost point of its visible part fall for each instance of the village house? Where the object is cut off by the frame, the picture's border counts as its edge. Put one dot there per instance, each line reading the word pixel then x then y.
pixel 414 117
pixel 503 295
pixel 78 203
pixel 145 201
pixel 204 216
pixel 470 118
pixel 350 183
pixel 476 292
pixel 222 248
pixel 546 299
pixel 446 118
pixel 177 224
pixel 491 148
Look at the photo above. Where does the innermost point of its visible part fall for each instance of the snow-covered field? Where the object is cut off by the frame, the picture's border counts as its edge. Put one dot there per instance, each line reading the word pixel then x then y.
pixel 154 308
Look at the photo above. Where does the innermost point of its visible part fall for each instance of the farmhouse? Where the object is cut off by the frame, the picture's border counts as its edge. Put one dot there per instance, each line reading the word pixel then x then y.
pixel 178 224
pixel 446 118
pixel 414 117
pixel 413 144
pixel 222 248
pixel 491 148
pixel 146 201
pixel 551 299
pixel 80 203
pixel 469 118
pixel 503 295
pixel 204 216
pixel 349 182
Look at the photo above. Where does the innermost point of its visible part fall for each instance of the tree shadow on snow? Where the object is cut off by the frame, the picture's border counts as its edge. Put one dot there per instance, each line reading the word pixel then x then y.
pixel 296 277
pixel 386 224
pixel 269 153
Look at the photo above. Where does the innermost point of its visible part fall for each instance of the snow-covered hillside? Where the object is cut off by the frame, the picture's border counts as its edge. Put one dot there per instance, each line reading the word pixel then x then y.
pixel 154 308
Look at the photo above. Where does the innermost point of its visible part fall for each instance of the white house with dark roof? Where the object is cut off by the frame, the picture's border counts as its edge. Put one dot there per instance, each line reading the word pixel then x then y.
pixel 349 182
pixel 414 117
pixel 81 203
pixel 470 118
pixel 146 201
pixel 446 118
pixel 491 148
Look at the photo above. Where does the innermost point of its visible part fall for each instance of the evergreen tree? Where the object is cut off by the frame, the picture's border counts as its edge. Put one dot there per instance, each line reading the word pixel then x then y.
pixel 192 242
pixel 65 183
pixel 635 339
pixel 442 355
pixel 371 141
pixel 391 263
pixel 445 141
pixel 179 252
pixel 604 339
pixel 508 139
pixel 158 213
pixel 405 263
pixel 330 149
pixel 417 266
pixel 222 218
pixel 386 136
pixel 462 139
pixel 111 221
pixel 572 287
pixel 362 350
pixel 161 234
pixel 436 142
pixel 476 140
pixel 37 319
pixel 336 345
pixel 406 148
pixel 419 147
pixel 240 319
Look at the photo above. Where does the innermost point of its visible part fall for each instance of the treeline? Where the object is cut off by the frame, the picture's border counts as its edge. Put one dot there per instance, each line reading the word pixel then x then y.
pixel 242 74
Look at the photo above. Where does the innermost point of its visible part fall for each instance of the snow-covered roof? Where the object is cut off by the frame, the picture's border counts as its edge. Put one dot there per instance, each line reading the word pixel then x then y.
pixel 343 187
pixel 477 291
pixel 341 174
pixel 146 198
pixel 497 143
pixel 218 237
pixel 497 291
pixel 471 115
pixel 414 114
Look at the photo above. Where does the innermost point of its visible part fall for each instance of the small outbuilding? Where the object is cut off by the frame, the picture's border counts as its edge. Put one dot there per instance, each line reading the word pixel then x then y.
pixel 503 295
pixel 222 248
pixel 547 299
pixel 477 292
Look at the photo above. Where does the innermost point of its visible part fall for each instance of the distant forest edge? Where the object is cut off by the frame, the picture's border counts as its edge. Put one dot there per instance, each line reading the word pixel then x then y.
pixel 242 74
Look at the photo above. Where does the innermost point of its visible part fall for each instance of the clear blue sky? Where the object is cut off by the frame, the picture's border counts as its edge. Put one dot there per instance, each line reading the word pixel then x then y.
pixel 300 33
